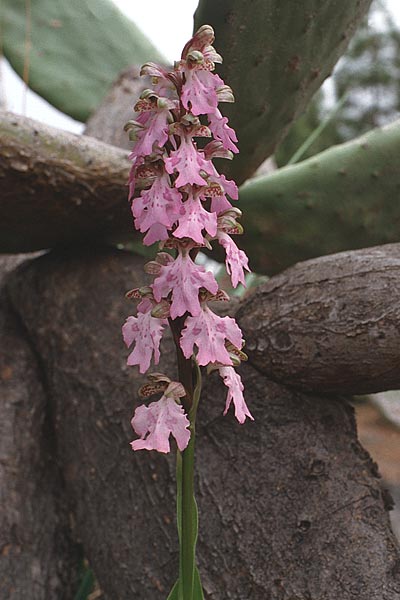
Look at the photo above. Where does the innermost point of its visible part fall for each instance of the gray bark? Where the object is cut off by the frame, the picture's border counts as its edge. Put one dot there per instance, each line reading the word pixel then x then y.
pixel 58 188
pixel 38 560
pixel 330 324
pixel 107 122
pixel 291 506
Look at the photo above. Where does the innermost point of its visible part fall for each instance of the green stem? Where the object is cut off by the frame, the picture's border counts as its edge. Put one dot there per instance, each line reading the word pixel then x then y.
pixel 189 524
pixel 189 374
pixel 189 517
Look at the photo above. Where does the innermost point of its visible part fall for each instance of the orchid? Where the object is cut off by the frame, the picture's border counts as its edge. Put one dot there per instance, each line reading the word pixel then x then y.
pixel 184 204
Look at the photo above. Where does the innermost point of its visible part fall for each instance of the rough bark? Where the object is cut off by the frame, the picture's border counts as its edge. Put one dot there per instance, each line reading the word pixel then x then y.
pixel 290 506
pixel 330 324
pixel 38 560
pixel 59 188
pixel 108 120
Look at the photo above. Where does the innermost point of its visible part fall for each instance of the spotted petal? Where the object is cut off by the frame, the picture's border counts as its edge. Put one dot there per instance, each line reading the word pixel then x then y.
pixel 145 332
pixel 208 332
pixel 236 260
pixel 194 220
pixel 188 161
pixel 184 279
pixel 156 422
pixel 235 393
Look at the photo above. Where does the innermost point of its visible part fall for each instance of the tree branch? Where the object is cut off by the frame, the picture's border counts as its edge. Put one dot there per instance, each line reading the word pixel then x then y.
pixel 59 188
pixel 330 324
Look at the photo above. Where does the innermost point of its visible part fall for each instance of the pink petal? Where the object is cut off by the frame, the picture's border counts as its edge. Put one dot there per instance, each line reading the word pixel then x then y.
pixel 236 260
pixel 228 185
pixel 155 131
pixel 157 209
pixel 235 392
pixel 208 332
pixel 188 161
pixel 194 220
pixel 156 233
pixel 200 89
pixel 158 421
pixel 184 279
pixel 220 204
pixel 221 131
pixel 145 332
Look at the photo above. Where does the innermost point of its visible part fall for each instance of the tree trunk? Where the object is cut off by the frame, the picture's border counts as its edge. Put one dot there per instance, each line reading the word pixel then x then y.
pixel 38 560
pixel 291 506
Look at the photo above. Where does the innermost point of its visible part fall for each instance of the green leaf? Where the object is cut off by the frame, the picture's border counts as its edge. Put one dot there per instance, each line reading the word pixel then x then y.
pixel 86 586
pixel 344 198
pixel 197 589
pixel 77 48
pixel 174 594
pixel 271 63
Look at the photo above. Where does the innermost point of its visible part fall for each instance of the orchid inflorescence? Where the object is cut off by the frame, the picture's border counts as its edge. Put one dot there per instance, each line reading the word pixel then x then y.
pixel 184 205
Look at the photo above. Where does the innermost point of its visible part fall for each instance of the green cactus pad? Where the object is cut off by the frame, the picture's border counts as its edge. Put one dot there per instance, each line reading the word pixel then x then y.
pixel 344 198
pixel 77 49
pixel 276 55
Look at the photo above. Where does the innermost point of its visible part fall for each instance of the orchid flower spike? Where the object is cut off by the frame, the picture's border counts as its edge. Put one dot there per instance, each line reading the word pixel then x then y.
pixel 180 201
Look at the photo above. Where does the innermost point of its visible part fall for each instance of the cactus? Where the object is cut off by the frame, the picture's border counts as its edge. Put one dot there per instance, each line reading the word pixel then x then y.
pixel 344 198
pixel 77 49
pixel 276 55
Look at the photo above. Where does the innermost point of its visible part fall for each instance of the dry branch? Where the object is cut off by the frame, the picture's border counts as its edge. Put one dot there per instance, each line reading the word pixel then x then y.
pixel 330 324
pixel 38 559
pixel 58 188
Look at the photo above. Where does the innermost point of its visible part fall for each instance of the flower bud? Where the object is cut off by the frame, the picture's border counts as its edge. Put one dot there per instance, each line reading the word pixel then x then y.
pixel 133 294
pixel 225 94
pixel 163 258
pixel 149 389
pixel 175 390
pixel 132 124
pixel 156 376
pixel 152 268
pixel 161 310
pixel 195 57
pixel 215 149
pixel 145 291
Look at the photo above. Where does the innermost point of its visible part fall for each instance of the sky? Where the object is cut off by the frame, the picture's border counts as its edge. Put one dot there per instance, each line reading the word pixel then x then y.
pixel 165 17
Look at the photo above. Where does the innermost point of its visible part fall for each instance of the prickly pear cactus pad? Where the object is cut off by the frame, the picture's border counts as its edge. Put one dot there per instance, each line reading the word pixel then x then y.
pixel 276 55
pixel 75 49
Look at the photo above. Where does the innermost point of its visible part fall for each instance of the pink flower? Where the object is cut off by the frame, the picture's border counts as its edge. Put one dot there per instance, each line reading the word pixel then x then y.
pixel 199 92
pixel 221 131
pixel 219 202
pixel 184 279
pixel 228 185
pixel 235 392
pixel 208 332
pixel 157 209
pixel 157 421
pixel 236 260
pixel 188 161
pixel 145 332
pixel 155 130
pixel 194 220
